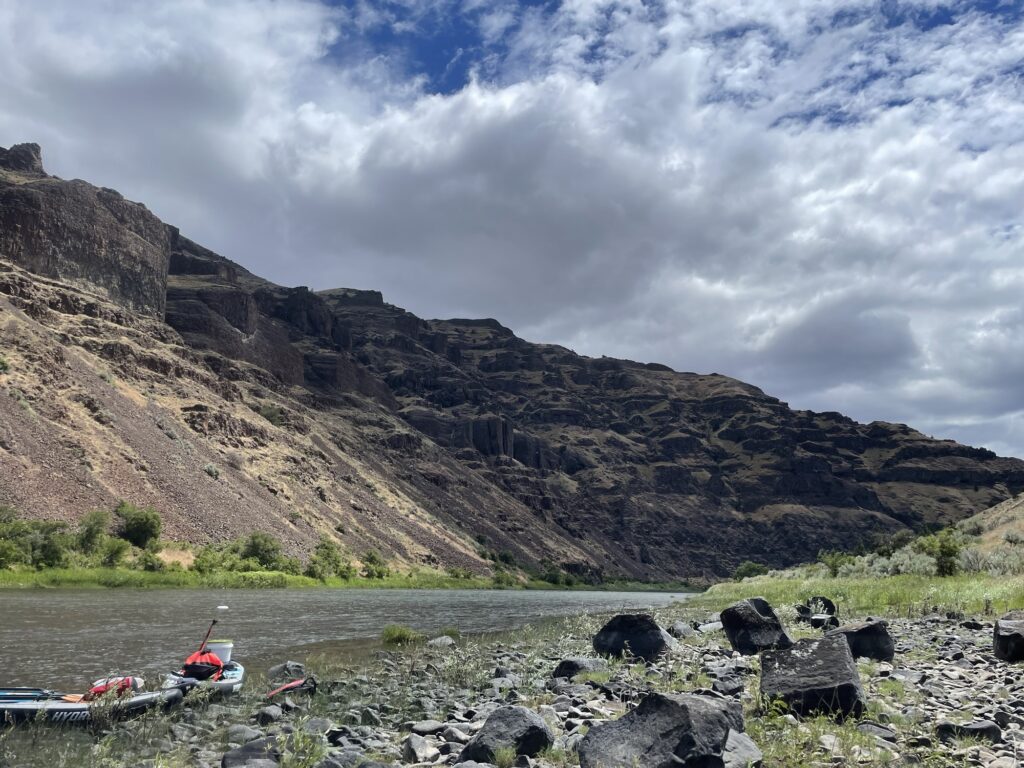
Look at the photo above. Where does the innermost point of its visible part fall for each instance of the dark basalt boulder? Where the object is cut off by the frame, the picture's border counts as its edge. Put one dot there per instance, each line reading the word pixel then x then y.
pixel 814 676
pixel 257 752
pixel 669 730
pixel 571 667
pixel 635 633
pixel 985 730
pixel 753 626
pixel 868 639
pixel 517 728
pixel 1008 637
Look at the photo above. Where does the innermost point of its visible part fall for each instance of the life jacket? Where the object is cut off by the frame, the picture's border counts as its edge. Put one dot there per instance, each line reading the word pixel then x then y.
pixel 203 665
pixel 119 686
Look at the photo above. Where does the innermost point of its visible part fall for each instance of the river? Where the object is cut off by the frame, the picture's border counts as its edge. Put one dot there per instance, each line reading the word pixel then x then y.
pixel 65 639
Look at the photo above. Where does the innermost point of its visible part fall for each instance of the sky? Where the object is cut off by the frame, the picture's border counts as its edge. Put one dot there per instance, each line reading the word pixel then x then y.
pixel 824 199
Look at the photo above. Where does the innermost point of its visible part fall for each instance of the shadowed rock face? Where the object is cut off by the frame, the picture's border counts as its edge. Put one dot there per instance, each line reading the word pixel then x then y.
pixel 75 232
pixel 599 466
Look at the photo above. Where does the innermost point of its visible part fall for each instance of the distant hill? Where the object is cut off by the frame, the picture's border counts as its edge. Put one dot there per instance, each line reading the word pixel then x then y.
pixel 141 365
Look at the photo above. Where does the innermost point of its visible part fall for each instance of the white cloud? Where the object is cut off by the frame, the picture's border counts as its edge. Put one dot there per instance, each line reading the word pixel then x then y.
pixel 804 195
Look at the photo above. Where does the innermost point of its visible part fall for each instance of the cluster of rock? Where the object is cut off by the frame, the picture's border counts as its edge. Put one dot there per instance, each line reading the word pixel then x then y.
pixel 620 705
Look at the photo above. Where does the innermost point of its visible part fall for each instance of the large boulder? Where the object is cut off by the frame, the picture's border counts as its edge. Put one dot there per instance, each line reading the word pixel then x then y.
pixel 868 639
pixel 517 728
pixel 1008 637
pixel 635 633
pixel 667 730
pixel 752 626
pixel 814 676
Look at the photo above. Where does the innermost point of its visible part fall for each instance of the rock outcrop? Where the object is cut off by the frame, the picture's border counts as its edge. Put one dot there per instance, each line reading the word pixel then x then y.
pixel 436 441
pixel 85 236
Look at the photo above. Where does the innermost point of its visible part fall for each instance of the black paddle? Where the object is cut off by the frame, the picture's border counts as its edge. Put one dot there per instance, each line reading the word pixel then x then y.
pixel 213 623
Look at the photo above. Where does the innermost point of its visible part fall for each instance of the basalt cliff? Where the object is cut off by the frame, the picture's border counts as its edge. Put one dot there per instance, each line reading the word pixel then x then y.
pixel 142 366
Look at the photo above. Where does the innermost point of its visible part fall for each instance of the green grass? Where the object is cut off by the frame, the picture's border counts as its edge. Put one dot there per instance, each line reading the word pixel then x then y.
pixel 124 577
pixel 883 596
pixel 86 577
pixel 397 634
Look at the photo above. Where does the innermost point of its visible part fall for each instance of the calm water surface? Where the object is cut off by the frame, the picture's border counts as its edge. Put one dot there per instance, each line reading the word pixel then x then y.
pixel 67 638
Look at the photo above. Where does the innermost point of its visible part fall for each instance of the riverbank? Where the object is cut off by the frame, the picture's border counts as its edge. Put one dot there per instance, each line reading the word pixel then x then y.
pixel 943 671
pixel 115 578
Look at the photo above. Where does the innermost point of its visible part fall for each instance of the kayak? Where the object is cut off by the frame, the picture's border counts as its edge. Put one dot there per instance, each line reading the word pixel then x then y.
pixel 231 680
pixel 49 707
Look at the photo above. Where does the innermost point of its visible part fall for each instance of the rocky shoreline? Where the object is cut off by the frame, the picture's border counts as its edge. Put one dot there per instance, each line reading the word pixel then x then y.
pixel 544 698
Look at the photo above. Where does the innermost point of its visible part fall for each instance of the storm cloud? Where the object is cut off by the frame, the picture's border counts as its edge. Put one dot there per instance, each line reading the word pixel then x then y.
pixel 821 198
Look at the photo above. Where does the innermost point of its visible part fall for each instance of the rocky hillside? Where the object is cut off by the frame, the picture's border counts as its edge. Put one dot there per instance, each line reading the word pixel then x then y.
pixel 141 365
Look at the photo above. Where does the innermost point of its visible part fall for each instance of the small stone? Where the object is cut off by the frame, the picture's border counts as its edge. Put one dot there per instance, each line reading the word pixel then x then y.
pixel 416 749
pixel 269 714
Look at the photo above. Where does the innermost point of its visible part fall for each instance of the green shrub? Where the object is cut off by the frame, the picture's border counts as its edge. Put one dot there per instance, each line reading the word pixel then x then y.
pixel 113 551
pixel 212 471
pixel 503 579
pixel 945 547
pixel 41 543
pixel 834 560
pixel 148 561
pixel 1013 537
pixel 258 580
pixel 397 634
pixel 138 526
pixel 749 568
pixel 374 566
pixel 11 554
pixel 4 365
pixel 273 413
pixel 327 562
pixel 92 531
pixel 263 548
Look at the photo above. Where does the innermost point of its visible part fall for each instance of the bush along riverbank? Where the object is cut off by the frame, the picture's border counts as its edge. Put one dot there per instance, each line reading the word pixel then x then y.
pixel 746 686
pixel 125 549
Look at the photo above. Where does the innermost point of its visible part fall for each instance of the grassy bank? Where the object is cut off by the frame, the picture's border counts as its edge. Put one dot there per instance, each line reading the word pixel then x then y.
pixel 104 578
pixel 902 595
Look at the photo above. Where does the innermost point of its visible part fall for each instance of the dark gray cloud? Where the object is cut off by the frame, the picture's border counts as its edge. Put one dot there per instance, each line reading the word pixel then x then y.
pixel 815 198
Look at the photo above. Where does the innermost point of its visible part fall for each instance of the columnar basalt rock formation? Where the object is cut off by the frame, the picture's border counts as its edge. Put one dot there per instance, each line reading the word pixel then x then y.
pixel 433 440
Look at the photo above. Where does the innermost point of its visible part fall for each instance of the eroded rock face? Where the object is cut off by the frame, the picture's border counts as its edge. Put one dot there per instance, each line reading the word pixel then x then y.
pixel 753 626
pixel 25 159
pixel 814 676
pixel 601 467
pixel 637 635
pixel 666 731
pixel 90 237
